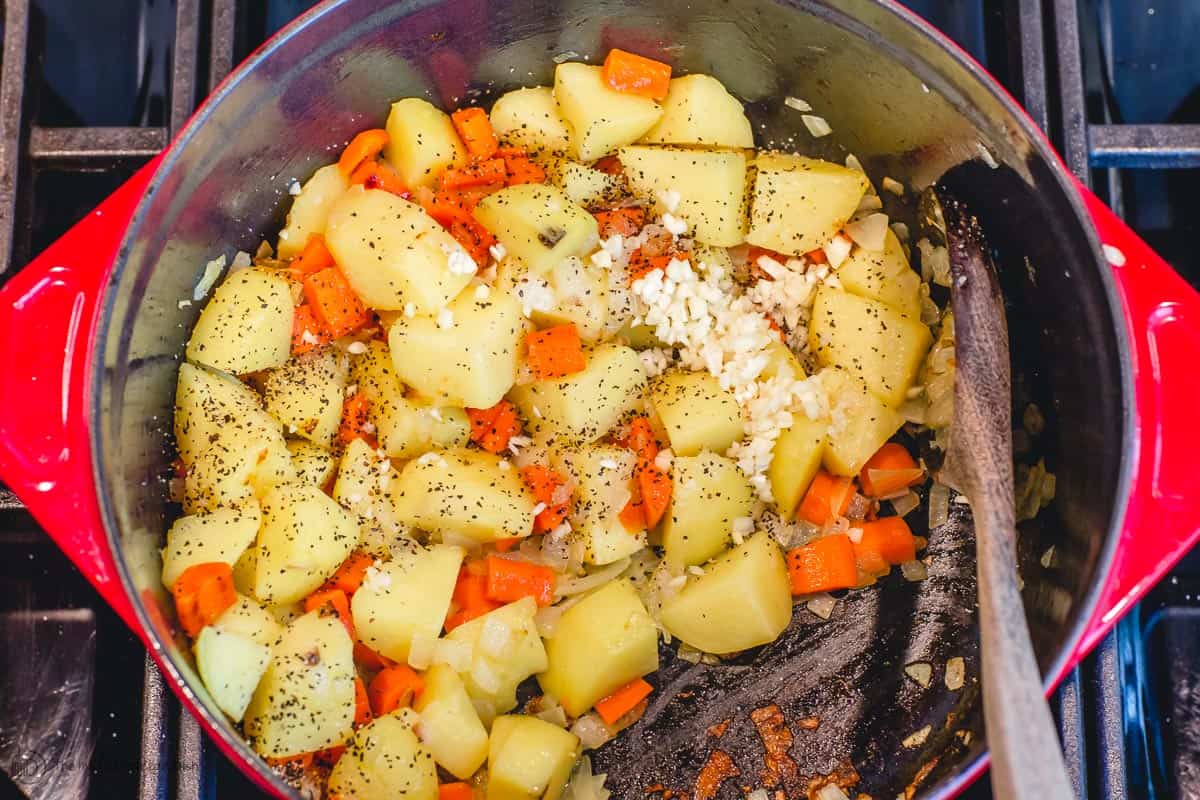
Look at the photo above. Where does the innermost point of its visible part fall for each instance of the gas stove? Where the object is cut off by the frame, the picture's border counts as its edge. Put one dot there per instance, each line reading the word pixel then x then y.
pixel 86 98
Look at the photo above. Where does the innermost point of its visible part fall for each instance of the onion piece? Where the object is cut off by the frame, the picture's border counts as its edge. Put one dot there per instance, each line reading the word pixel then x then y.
pixel 817 126
pixel 546 620
pixel 859 505
pixel 939 505
pixel 689 654
pixel 921 672
pixel 821 604
pixel 914 571
pixel 831 791
pixel 454 539
pixel 956 671
pixel 420 652
pixel 452 653
pixel 591 730
pixel 571 586
pixel 869 232
pixel 905 503
pixel 212 271
pixel 584 785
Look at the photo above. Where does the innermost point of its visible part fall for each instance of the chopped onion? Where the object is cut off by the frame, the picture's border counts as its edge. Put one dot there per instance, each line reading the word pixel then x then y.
pixel 939 505
pixel 796 104
pixel 495 638
pixel 484 676
pixel 821 604
pixel 917 739
pixel 452 653
pixel 455 539
pixel 553 712
pixel 935 262
pixel 591 730
pixel 853 163
pixel 914 571
pixel 869 232
pixel 212 271
pixel 689 654
pixel 901 231
pixel 420 652
pixel 921 672
pixel 869 202
pixel 546 620
pixel 956 671
pixel 570 586
pixel 831 791
pixel 837 250
pixel 584 785
pixel 859 505
pixel 817 126
pixel 531 454
pixel 892 185
pixel 840 525
pixel 906 503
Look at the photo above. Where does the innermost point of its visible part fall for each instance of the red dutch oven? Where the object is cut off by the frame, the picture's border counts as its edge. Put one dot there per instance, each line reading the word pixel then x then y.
pixel 1105 340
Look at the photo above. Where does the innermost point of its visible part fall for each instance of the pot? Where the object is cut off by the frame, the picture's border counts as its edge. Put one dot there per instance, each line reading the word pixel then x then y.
pixel 1104 338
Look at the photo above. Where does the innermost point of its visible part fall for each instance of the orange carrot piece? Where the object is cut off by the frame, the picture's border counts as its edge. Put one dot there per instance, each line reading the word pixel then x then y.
pixel 329 756
pixel 622 221
pixel 555 352
pixel 817 256
pixel 633 516
pixel 504 545
pixel 544 483
pixel 828 496
pixel 509 581
pixel 350 574
pixel 890 538
pixel 628 72
pixel 641 439
pixel 655 486
pixel 369 659
pixel 365 145
pixel 202 593
pixel 823 565
pixel 454 791
pixel 491 172
pixel 890 470
pixel 334 302
pixel 394 687
pixel 373 174
pixel 623 700
pixel 492 428
pixel 470 597
pixel 307 333
pixel 313 258
pixel 362 703
pixel 335 599
pixel 475 130
pixel 302 760
pixel 641 265
pixel 522 170
pixel 609 165
pixel 355 418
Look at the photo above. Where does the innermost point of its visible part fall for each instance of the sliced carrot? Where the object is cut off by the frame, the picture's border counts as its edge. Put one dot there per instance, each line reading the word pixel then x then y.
pixel 817 256
pixel 454 791
pixel 374 174
pixel 509 581
pixel 823 565
pixel 394 687
pixel 610 165
pixel 202 593
pixel 470 596
pixel 356 410
pixel 491 172
pixel 302 760
pixel 655 486
pixel 555 352
pixel 523 170
pixel 362 703
pixel 313 258
pixel 641 439
pixel 545 483
pixel 336 306
pixel 350 574
pixel 475 130
pixel 633 516
pixel 307 332
pixel 505 545
pixel 492 428
pixel 369 659
pixel 475 239
pixel 890 470
pixel 641 265
pixel 890 538
pixel 330 755
pixel 623 700
pixel 828 496
pixel 621 221
pixel 628 72
pixel 365 145
pixel 452 210
pixel 335 599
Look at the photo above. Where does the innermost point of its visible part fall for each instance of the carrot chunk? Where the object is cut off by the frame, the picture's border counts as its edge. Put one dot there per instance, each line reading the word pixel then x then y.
pixel 334 303
pixel 823 565
pixel 355 418
pixel 394 687
pixel 470 597
pixel 890 470
pixel 509 581
pixel 307 333
pixel 362 703
pixel 610 165
pixel 828 496
pixel 522 170
pixel 621 221
pixel 655 486
pixel 313 258
pixel 454 791
pixel 641 264
pixel 492 428
pixel 350 574
pixel 374 174
pixel 623 700
pixel 545 484
pixel 633 516
pixel 475 130
pixel 504 545
pixel 369 659
pixel 202 594
pixel 555 352
pixel 889 538
pixel 490 172
pixel 628 72
pixel 334 599
pixel 365 145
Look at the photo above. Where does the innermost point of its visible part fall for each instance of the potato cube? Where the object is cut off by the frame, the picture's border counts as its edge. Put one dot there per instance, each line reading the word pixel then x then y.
pixel 385 761
pixel 314 464
pixel 583 185
pixel 697 413
pixel 232 471
pixel 363 488
pixel 211 406
pixel 581 299
pixel 305 394
pixel 742 600
pixel 862 423
pixel 800 203
pixel 603 478
pixel 492 675
pixel 421 141
pixel 601 643
pixel 249 620
pixel 465 492
pixel 310 209
pixel 537 224
pixel 529 119
pixel 247 325
pixel 795 460
pixel 529 759
pixel 465 356
pixel 305 536
pixel 407 597
pixel 708 492
pixel 884 276
pixel 699 110
pixel 221 535
pixel 599 118
pixel 230 666
pixel 711 188
pixel 873 342
pixel 450 727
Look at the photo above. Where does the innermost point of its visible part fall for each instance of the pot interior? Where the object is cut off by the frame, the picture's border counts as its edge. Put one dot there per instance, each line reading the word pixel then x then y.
pixel 829 698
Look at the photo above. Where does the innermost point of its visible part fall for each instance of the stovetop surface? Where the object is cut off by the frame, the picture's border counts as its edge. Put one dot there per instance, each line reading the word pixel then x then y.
pixel 83 715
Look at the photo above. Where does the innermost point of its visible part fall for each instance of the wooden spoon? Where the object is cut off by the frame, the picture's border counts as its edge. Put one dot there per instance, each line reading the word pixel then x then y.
pixel 1026 755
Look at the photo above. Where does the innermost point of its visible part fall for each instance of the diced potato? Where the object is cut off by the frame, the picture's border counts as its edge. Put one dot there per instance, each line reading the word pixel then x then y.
pixel 603 476
pixel 708 492
pixel 421 141
pixel 310 209
pixel 711 187
pixel 212 406
pixel 599 118
pixel 363 488
pixel 471 363
pixel 305 394
pixel 529 119
pixel 249 620
pixel 247 325
pixel 583 185
pixel 697 413
pixel 781 358
pixel 529 759
pixel 640 337
pixel 600 644
pixel 385 761
pixel 581 293
pixel 305 536
pixel 873 342
pixel 410 598
pixel 465 492
pixel 742 600
pixel 305 700
pixel 393 253
pixel 231 471
pixel 496 668
pixel 230 666
pixel 795 460
pixel 450 727
pixel 863 423
pixel 581 408
pixel 800 203
pixel 314 464
pixel 221 535
pixel 884 276
pixel 699 110
pixel 244 570
pixel 537 224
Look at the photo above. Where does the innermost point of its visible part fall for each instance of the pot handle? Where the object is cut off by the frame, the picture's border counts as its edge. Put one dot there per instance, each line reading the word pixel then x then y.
pixel 1162 518
pixel 48 314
